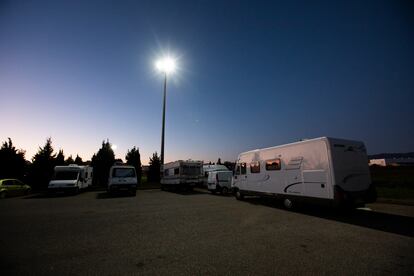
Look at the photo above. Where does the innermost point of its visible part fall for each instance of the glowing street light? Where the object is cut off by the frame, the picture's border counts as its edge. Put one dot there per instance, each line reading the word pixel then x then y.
pixel 166 65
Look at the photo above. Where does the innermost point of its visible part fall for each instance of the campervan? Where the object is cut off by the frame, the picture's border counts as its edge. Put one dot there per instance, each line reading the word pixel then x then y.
pixel 182 174
pixel 122 178
pixel 328 170
pixel 71 178
pixel 207 168
pixel 219 181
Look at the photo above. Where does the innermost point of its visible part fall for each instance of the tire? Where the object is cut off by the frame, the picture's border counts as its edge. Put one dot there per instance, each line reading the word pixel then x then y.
pixel 239 195
pixel 27 191
pixel 288 203
pixel 3 195
pixel 133 193
pixel 224 191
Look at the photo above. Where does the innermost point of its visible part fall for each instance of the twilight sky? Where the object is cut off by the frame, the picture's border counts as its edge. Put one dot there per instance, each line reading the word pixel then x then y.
pixel 252 74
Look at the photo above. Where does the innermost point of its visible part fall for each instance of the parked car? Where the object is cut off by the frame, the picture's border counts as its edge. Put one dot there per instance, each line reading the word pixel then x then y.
pixel 13 187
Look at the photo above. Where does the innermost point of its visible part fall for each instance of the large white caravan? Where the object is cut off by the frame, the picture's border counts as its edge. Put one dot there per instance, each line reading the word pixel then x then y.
pixel 326 169
pixel 71 178
pixel 182 173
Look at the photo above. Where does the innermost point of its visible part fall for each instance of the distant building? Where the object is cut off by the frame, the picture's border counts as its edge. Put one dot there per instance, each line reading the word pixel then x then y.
pixel 392 162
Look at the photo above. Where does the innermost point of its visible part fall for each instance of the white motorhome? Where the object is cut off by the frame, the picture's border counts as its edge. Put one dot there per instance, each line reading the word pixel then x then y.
pixel 182 174
pixel 324 169
pixel 207 168
pixel 71 178
pixel 219 181
pixel 122 178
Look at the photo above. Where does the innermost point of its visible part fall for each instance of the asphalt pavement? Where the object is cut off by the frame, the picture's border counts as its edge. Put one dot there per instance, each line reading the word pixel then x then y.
pixel 195 233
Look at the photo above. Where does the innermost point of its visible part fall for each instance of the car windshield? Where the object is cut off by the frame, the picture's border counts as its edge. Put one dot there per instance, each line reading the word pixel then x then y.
pixel 123 172
pixel 66 175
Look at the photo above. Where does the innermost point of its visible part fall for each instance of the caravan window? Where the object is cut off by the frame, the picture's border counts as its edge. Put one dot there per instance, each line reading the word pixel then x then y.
pixel 273 165
pixel 176 171
pixel 255 167
pixel 243 168
pixel 166 172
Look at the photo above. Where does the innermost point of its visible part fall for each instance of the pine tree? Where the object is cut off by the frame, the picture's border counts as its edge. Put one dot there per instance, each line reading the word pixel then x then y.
pixel 43 163
pixel 219 161
pixel 133 158
pixel 154 168
pixel 101 163
pixel 78 160
pixel 69 160
pixel 60 158
pixel 12 162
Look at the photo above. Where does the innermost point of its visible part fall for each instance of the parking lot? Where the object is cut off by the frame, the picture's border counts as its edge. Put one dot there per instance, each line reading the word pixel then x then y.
pixel 196 233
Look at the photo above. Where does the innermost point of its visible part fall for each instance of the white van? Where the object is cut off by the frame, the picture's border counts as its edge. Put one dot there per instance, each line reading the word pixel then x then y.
pixel 219 181
pixel 122 178
pixel 207 168
pixel 71 178
pixel 328 170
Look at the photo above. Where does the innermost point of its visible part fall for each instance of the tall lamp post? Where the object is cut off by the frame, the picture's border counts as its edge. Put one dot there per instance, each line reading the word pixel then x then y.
pixel 166 66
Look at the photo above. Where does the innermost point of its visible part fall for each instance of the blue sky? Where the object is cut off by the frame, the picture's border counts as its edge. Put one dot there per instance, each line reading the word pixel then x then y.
pixel 252 74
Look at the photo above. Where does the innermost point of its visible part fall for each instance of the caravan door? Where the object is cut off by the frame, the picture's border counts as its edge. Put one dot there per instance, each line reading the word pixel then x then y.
pixel 239 179
pixel 294 181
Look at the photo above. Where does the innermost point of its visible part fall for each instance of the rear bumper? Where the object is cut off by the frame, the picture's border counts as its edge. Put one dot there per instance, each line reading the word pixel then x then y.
pixel 62 189
pixel 355 197
pixel 123 187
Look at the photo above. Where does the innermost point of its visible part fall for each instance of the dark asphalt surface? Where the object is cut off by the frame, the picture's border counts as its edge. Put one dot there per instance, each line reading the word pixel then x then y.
pixel 197 233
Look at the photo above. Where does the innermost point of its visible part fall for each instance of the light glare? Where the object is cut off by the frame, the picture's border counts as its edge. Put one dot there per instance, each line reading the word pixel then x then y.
pixel 167 65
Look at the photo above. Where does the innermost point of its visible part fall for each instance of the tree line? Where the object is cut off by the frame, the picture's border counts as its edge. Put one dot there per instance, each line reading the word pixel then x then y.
pixel 39 171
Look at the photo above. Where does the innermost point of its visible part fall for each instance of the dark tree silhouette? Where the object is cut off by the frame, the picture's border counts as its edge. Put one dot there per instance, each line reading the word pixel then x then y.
pixel 60 158
pixel 219 161
pixel 12 162
pixel 78 160
pixel 133 158
pixel 43 162
pixel 229 165
pixel 154 168
pixel 69 160
pixel 101 163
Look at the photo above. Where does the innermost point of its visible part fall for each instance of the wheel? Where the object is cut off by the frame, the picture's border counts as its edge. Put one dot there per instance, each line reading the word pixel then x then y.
pixel 133 193
pixel 162 187
pixel 288 203
pixel 27 191
pixel 3 195
pixel 224 191
pixel 239 195
pixel 213 192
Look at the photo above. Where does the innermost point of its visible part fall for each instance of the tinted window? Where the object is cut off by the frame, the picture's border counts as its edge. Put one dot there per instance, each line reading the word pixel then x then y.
pixel 191 170
pixel 8 182
pixel 243 168
pixel 238 169
pixel 123 172
pixel 273 165
pixel 255 167
pixel 65 175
